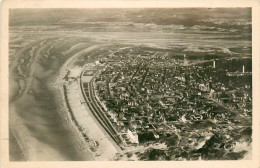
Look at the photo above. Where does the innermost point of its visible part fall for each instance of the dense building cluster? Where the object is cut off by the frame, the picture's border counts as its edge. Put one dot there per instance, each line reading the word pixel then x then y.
pixel 151 95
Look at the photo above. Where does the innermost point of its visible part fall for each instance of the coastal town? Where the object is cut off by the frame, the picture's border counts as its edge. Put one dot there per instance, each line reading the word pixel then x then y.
pixel 143 97
pixel 131 84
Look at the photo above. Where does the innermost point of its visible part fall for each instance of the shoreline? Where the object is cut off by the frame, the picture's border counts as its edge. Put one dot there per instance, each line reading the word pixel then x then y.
pixel 44 127
pixel 83 123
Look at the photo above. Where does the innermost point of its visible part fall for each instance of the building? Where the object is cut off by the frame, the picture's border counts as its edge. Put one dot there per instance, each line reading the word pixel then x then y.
pixel 132 136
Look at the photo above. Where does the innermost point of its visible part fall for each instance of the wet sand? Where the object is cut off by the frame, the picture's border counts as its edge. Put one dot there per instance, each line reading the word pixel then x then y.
pixel 37 119
pixel 16 153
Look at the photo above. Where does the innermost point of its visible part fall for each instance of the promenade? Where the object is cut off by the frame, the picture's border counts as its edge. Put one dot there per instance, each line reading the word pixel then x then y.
pixel 88 125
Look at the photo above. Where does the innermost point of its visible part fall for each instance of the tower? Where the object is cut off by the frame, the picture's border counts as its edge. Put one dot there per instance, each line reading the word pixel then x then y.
pixel 243 69
pixel 185 61
pixel 214 64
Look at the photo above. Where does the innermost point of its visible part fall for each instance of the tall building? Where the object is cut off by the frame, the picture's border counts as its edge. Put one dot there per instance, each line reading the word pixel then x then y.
pixel 243 69
pixel 214 64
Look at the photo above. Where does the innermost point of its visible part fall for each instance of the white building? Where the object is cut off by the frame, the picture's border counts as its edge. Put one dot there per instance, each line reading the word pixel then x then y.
pixel 132 136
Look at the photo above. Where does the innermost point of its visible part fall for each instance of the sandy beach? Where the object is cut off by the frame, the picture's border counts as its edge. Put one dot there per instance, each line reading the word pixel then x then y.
pixel 80 114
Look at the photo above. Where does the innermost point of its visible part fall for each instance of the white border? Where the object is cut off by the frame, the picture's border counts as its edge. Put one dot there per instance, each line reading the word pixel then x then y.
pixel 6 4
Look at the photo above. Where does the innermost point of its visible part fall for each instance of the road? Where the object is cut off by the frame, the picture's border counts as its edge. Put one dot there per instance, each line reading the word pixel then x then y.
pixel 89 97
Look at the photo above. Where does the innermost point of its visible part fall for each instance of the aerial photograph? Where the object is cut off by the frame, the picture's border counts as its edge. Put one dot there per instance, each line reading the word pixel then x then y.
pixel 130 84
